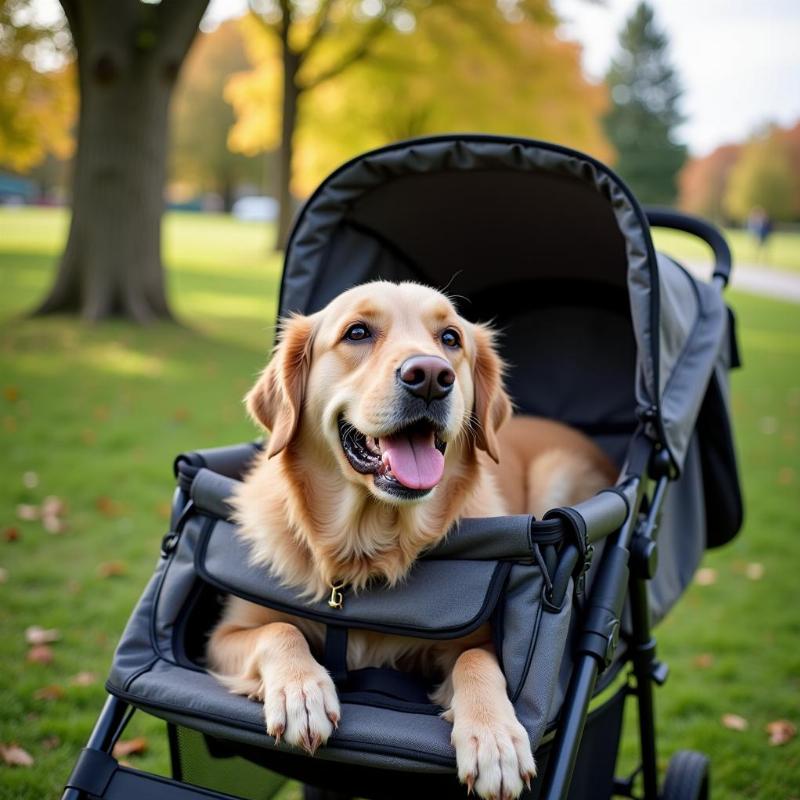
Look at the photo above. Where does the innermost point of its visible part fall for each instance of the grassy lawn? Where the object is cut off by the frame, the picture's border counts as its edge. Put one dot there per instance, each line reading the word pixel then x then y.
pixel 94 417
pixel 782 251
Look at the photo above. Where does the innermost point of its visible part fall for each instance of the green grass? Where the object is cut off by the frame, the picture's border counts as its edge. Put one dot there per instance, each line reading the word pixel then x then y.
pixel 98 413
pixel 782 251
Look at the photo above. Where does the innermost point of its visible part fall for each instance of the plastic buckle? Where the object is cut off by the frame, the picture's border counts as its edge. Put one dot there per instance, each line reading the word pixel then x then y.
pixel 169 542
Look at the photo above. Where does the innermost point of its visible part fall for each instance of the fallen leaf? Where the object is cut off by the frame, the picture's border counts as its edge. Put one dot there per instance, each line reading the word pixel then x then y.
pixel 27 512
pixel 53 692
pixel 705 576
pixel 9 424
pixel 107 507
pixel 11 534
pixel 180 414
pixel 734 722
pixel 50 742
pixel 15 756
pixel 780 731
pixel 53 506
pixel 11 393
pixel 100 413
pixel 54 525
pixel 3 574
pixel 768 425
pixel 83 679
pixel 703 660
pixel 754 571
pixel 40 654
pixel 130 747
pixel 164 510
pixel 88 437
pixel 30 480
pixel 111 569
pixel 38 635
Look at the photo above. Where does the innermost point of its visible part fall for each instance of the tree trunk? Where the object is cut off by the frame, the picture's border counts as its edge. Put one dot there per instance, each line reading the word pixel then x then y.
pixel 291 94
pixel 112 266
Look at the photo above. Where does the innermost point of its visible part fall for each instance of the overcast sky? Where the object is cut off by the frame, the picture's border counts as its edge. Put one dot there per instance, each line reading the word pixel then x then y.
pixel 739 59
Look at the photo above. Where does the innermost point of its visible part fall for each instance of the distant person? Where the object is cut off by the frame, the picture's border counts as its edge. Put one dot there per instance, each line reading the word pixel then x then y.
pixel 760 226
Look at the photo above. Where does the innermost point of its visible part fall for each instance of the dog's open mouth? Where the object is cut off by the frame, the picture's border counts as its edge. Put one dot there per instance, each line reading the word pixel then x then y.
pixel 408 462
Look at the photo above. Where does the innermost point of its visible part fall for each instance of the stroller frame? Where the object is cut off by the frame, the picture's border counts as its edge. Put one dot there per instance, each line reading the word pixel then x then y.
pixel 629 561
pixel 626 520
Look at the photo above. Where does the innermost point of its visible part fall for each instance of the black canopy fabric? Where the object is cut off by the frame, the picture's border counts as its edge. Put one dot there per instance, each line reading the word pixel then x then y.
pixel 545 242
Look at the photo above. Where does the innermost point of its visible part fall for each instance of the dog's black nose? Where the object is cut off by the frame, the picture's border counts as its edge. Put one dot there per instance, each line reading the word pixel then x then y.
pixel 428 377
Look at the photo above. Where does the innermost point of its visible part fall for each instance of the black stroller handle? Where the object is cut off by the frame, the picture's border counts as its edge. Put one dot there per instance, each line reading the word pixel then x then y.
pixel 668 218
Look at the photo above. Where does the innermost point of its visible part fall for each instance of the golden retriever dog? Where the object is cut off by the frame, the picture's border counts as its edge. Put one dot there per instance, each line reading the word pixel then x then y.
pixel 389 422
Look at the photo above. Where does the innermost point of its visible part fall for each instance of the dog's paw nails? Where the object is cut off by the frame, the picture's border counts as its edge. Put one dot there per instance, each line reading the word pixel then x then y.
pixel 311 743
pixel 276 732
pixel 470 781
pixel 493 754
pixel 527 777
pixel 334 718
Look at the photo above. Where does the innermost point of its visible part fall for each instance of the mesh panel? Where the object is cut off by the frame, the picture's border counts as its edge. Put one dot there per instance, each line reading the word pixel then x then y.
pixel 206 762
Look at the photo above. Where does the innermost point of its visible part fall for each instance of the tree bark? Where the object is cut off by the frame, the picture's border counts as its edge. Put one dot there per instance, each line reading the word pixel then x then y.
pixel 129 55
pixel 291 95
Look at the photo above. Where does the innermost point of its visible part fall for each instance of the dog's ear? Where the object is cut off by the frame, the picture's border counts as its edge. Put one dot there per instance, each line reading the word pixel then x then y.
pixel 492 403
pixel 276 400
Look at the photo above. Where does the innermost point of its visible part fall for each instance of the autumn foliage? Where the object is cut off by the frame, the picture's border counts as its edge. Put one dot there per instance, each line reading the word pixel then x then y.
pixel 729 182
pixel 37 107
pixel 451 70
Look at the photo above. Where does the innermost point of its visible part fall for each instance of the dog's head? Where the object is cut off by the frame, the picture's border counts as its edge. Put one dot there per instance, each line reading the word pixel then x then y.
pixel 382 383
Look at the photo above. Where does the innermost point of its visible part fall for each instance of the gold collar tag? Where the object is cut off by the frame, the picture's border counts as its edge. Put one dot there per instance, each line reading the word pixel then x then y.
pixel 336 600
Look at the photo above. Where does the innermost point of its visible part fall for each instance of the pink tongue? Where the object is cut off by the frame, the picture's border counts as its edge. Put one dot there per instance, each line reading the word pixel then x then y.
pixel 413 459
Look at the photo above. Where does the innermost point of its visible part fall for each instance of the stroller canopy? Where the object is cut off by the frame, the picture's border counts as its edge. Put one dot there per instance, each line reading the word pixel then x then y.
pixel 545 242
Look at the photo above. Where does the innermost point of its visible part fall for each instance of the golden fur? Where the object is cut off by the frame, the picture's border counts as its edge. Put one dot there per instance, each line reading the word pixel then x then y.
pixel 311 519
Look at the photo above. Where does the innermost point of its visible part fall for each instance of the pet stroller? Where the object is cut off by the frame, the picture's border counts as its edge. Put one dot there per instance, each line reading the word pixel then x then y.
pixel 601 332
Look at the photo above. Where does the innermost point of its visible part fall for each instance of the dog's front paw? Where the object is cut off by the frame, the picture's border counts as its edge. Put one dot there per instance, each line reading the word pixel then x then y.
pixel 493 754
pixel 300 705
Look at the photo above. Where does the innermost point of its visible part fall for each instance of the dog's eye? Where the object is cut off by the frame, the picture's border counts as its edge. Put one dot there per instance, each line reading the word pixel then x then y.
pixel 357 332
pixel 450 338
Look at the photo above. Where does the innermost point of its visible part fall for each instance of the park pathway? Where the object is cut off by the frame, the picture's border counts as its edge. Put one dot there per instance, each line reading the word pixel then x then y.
pixel 764 281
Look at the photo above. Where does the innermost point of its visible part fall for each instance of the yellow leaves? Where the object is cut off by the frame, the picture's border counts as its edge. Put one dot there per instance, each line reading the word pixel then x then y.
pixel 37 112
pixel 255 97
pixel 446 74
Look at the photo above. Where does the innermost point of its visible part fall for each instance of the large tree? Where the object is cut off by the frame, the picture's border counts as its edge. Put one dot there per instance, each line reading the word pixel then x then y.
pixel 332 79
pixel 645 94
pixel 129 53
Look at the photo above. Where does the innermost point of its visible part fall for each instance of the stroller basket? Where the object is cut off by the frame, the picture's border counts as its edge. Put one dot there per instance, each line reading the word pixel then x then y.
pixel 602 333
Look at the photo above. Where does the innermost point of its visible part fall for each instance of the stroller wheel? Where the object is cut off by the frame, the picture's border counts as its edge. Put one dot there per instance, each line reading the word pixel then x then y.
pixel 315 793
pixel 688 776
